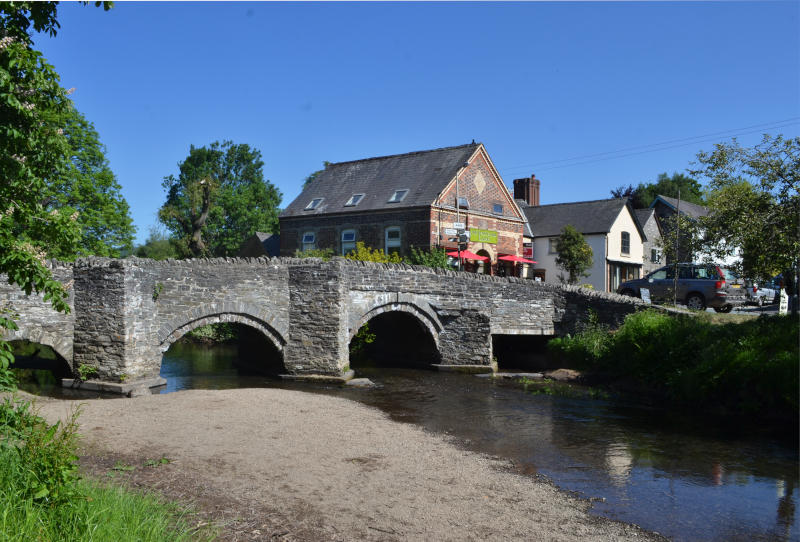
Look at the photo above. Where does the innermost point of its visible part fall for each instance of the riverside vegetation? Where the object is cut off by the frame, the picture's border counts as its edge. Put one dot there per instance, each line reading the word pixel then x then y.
pixel 748 368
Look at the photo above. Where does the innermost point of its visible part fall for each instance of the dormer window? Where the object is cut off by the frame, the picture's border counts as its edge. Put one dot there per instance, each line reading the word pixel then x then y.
pixel 313 204
pixel 399 195
pixel 463 203
pixel 354 200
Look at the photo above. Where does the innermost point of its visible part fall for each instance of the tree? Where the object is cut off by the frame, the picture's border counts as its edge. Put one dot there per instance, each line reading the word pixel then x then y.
pixel 574 254
pixel 623 191
pixel 364 253
pixel 754 203
pixel 218 200
pixel 33 150
pixel 665 185
pixel 90 187
pixel 682 239
pixel 158 246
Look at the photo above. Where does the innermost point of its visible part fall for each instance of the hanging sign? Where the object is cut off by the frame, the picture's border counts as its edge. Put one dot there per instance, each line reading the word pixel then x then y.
pixel 483 236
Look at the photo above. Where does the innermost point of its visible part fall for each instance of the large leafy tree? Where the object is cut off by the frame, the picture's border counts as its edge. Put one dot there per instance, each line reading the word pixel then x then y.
pixel 89 186
pixel 575 255
pixel 754 204
pixel 158 246
pixel 665 185
pixel 33 152
pixel 218 200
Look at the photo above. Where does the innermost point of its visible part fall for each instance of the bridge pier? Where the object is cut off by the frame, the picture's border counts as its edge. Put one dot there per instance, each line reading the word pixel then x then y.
pixel 465 342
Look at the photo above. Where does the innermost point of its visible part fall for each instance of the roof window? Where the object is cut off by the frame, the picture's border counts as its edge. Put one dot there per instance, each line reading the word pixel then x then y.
pixel 354 200
pixel 313 204
pixel 399 195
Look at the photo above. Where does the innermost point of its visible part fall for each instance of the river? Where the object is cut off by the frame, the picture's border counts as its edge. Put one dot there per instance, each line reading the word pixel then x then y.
pixel 687 478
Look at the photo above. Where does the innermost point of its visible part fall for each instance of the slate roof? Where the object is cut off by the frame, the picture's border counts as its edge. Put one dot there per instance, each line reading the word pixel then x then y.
pixel 423 173
pixel 588 217
pixel 689 209
pixel 643 215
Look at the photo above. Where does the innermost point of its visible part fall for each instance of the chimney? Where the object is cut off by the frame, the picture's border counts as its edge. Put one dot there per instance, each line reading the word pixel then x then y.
pixel 528 190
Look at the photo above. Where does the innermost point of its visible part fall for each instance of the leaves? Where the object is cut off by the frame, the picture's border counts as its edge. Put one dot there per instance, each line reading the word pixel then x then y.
pixel 575 255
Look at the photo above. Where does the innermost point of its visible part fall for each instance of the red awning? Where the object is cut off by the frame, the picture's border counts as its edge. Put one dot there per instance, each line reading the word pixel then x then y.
pixel 467 255
pixel 515 259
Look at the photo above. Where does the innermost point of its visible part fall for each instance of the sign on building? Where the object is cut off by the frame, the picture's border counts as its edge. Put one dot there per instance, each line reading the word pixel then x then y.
pixel 483 236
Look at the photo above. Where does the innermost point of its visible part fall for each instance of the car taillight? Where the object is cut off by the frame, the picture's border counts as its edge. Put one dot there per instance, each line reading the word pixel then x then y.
pixel 719 285
pixel 754 289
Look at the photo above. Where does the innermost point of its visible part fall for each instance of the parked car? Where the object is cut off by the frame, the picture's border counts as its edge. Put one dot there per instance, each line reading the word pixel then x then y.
pixel 763 293
pixel 700 285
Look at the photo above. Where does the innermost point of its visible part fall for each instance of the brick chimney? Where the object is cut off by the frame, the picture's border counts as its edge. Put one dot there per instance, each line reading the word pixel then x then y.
pixel 527 189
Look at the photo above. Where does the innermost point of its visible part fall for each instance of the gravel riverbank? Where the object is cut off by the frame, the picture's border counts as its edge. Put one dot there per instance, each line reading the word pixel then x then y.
pixel 279 464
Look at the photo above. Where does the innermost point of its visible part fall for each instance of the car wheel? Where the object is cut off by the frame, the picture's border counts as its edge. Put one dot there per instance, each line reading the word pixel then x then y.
pixel 724 309
pixel 696 302
pixel 629 293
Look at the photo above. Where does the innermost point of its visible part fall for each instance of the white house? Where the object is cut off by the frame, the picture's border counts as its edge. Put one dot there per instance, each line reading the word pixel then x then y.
pixel 609 226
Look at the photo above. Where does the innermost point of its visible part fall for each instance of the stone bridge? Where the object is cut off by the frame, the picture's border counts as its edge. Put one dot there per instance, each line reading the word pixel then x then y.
pixel 126 313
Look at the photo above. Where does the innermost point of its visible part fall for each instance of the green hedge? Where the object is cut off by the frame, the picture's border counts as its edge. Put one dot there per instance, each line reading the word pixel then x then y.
pixel 748 367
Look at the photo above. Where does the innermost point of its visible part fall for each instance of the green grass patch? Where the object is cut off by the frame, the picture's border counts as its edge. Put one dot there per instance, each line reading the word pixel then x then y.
pixel 748 367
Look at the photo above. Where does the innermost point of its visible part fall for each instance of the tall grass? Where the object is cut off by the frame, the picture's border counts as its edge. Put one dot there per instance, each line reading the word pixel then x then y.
pixel 746 367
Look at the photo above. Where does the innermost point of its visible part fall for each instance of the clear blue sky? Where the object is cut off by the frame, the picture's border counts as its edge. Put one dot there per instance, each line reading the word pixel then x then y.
pixel 535 82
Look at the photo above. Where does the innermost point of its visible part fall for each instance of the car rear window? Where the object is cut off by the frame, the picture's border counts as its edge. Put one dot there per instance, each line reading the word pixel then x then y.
pixel 729 274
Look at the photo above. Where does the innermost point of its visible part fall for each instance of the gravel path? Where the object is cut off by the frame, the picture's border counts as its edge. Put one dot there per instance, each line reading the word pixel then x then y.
pixel 278 464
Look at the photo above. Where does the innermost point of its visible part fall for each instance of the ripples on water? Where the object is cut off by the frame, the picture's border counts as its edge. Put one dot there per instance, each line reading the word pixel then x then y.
pixel 686 479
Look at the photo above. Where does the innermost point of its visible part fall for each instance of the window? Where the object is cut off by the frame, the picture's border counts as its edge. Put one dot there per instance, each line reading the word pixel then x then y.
pixel 313 204
pixel 552 243
pixel 392 240
pixel 309 241
pixel 655 255
pixel 626 243
pixel 463 203
pixel 354 199
pixel 348 241
pixel 399 195
pixel 497 209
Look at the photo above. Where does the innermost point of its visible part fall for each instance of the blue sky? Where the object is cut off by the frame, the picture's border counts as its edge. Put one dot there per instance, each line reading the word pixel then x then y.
pixel 540 84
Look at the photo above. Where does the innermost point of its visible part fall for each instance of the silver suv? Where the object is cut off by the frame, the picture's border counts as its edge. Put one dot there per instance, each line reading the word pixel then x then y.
pixel 700 285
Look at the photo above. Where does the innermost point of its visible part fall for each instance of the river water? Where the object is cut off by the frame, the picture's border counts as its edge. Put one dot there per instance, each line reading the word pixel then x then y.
pixel 684 478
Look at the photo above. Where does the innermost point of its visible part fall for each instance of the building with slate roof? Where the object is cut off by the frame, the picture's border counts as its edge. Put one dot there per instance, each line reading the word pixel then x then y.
pixel 408 200
pixel 261 244
pixel 609 226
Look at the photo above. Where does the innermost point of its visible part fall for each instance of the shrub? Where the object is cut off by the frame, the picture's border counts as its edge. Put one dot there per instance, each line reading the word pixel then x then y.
pixel 323 253
pixel 435 257
pixel 364 253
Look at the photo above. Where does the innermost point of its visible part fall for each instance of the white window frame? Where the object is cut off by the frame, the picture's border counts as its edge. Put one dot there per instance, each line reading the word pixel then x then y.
pixel 389 244
pixel 552 243
pixel 622 243
pixel 398 195
pixel 349 244
pixel 308 241
pixel 311 205
pixel 354 200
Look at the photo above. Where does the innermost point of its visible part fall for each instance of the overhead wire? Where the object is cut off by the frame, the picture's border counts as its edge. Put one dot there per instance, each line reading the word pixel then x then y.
pixel 664 145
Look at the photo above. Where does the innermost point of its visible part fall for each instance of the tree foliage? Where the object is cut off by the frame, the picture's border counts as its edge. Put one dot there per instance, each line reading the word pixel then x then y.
pixel 754 203
pixel 683 240
pixel 90 187
pixel 33 151
pixel 435 257
pixel 574 254
pixel 158 246
pixel 218 200
pixel 665 185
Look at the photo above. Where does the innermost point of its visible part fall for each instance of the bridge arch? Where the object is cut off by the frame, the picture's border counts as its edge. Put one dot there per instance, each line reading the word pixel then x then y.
pixel 417 308
pixel 177 328
pixel 60 344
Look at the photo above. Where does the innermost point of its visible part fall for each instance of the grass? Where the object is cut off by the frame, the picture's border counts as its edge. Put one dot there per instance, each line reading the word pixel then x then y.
pixel 43 498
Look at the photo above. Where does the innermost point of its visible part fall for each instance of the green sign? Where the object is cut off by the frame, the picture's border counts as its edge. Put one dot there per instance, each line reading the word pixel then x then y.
pixel 482 236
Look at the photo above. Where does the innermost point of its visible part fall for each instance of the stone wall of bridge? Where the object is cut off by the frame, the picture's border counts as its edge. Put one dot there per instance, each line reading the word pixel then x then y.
pixel 126 313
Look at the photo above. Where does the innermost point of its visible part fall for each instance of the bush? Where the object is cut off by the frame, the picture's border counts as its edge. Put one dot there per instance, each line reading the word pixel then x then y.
pixel 364 253
pixel 323 253
pixel 749 367
pixel 435 257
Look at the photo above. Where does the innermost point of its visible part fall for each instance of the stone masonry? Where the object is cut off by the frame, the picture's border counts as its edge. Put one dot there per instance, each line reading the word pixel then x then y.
pixel 126 313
